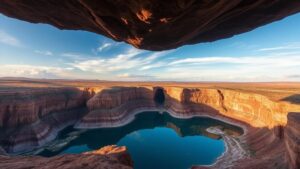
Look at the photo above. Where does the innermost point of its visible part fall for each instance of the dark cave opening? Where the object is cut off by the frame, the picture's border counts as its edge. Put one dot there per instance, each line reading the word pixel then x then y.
pixel 159 96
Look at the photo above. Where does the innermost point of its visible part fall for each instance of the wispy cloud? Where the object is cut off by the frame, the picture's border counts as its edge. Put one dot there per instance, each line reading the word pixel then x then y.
pixel 292 60
pixel 128 76
pixel 104 46
pixel 34 71
pixel 45 52
pixel 8 39
pixel 124 61
pixel 290 46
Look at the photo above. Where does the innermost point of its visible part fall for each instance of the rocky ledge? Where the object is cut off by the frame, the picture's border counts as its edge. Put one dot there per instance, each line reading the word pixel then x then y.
pixel 154 24
pixel 111 157
pixel 271 128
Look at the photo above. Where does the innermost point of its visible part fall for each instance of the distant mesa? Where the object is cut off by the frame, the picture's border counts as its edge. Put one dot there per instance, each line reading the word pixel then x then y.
pixel 154 24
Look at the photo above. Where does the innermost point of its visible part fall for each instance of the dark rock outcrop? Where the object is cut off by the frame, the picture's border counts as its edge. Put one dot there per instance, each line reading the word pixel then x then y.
pixel 154 24
pixel 111 157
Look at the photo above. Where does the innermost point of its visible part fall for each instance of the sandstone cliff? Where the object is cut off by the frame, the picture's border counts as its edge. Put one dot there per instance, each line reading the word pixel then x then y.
pixel 111 157
pixel 271 130
pixel 267 126
pixel 24 106
pixel 115 106
pixel 29 118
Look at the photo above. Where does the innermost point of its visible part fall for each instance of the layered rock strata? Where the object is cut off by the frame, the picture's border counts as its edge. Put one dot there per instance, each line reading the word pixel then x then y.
pixel 33 117
pixel 292 140
pixel 116 106
pixel 271 130
pixel 111 157
pixel 154 24
pixel 265 121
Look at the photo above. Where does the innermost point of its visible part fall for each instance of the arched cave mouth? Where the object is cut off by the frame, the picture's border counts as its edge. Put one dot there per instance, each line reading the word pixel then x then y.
pixel 159 96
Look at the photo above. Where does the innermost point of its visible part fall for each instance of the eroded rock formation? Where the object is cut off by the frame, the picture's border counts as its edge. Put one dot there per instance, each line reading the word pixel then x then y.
pixel 116 106
pixel 265 120
pixel 111 157
pixel 154 24
pixel 32 117
pixel 271 130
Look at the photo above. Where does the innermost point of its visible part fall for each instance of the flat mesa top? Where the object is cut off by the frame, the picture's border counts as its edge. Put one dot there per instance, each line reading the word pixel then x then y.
pixel 273 90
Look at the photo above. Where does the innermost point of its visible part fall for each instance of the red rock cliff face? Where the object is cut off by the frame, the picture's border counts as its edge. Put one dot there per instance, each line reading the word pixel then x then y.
pixel 27 106
pixel 270 134
pixel 271 130
pixel 115 106
pixel 292 140
pixel 154 24
pixel 29 118
pixel 111 157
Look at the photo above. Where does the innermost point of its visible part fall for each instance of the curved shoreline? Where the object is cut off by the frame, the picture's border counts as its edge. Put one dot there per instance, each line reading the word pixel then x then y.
pixel 227 139
pixel 131 117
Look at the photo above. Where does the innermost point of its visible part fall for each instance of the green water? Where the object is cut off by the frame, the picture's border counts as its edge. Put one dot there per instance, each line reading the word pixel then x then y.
pixel 153 140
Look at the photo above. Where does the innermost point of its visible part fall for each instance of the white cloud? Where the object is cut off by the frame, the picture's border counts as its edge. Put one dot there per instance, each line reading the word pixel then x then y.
pixel 34 71
pixel 8 39
pixel 290 46
pixel 124 61
pixel 269 61
pixel 46 52
pixel 74 56
pixel 104 46
pixel 131 77
pixel 255 68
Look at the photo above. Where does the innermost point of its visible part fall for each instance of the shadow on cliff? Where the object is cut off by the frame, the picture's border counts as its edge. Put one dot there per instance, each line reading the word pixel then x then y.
pixel 294 99
pixel 269 147
pixel 279 144
pixel 47 109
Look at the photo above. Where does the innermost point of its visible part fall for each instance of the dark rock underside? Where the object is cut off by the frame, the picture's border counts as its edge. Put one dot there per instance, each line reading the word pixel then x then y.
pixel 154 24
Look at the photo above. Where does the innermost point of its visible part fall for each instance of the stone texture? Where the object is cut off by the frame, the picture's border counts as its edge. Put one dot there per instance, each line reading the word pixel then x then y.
pixel 154 24
pixel 26 105
pixel 266 120
pixel 31 117
pixel 111 157
pixel 271 131
pixel 116 106
pixel 292 139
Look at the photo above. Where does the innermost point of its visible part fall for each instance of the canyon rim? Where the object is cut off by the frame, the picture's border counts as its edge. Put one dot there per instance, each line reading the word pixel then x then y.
pixel 75 67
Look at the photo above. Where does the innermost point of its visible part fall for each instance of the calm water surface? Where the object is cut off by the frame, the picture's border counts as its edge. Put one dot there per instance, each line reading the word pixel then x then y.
pixel 154 141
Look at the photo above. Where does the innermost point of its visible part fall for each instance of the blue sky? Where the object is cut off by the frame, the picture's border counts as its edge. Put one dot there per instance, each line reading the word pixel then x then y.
pixel 268 53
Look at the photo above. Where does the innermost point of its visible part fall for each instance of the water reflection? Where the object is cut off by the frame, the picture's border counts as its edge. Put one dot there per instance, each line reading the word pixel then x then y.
pixel 154 140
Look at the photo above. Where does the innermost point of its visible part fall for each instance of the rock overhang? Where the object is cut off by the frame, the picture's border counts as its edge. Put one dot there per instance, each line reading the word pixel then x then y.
pixel 154 24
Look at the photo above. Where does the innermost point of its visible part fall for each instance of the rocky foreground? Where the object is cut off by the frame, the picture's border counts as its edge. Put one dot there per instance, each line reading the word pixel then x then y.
pixel 154 24
pixel 109 157
pixel 32 116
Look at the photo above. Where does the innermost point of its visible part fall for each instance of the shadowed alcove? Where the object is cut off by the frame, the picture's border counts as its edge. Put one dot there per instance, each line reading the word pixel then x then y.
pixel 159 96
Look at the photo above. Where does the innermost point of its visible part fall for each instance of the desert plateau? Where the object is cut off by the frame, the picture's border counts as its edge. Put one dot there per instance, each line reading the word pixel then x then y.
pixel 149 84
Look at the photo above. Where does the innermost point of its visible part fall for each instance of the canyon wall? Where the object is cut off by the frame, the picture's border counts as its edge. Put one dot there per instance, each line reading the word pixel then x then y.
pixel 292 140
pixel 113 107
pixel 266 120
pixel 111 157
pixel 27 106
pixel 32 117
pixel 271 131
